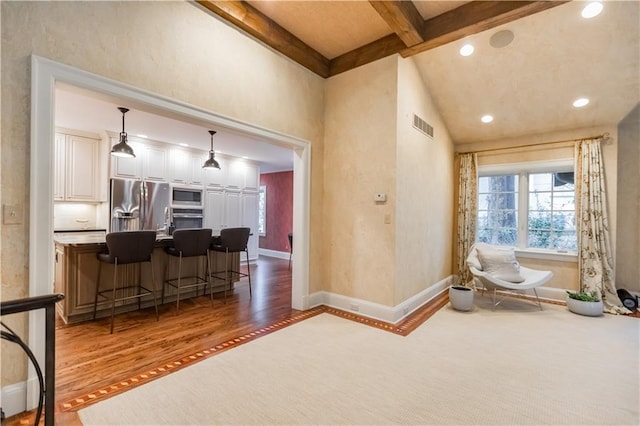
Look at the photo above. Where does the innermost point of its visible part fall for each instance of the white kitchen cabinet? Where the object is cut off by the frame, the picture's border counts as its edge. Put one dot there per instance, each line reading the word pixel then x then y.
pixel 197 172
pixel 235 173
pixel 60 165
pixel 250 220
pixel 154 163
pixel 214 210
pixel 127 167
pixel 77 175
pixel 233 209
pixel 179 166
pixel 251 177
pixel 185 167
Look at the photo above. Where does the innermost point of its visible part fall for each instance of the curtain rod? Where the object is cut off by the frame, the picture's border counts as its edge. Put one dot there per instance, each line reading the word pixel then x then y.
pixel 604 136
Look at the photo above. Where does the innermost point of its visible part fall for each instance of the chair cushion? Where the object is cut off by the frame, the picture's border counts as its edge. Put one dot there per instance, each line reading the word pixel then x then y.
pixel 500 263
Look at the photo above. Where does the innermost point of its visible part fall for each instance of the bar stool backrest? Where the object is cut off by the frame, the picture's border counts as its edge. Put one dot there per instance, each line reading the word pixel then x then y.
pixel 192 242
pixel 234 239
pixel 130 246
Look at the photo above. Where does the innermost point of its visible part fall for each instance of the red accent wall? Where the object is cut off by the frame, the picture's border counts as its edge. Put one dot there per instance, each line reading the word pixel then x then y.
pixel 279 213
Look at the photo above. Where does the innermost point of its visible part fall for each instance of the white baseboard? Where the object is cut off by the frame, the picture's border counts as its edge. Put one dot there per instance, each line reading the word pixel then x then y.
pixel 391 314
pixel 274 253
pixel 14 399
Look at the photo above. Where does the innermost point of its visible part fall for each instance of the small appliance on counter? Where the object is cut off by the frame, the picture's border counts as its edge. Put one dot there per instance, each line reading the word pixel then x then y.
pixel 139 205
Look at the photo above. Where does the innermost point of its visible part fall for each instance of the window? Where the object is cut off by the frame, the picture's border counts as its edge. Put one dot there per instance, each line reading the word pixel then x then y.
pixel 262 211
pixel 527 209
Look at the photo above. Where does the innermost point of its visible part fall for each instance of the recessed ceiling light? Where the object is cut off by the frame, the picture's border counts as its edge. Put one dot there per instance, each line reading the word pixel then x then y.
pixel 183 144
pixel 592 9
pixel 466 50
pixel 142 136
pixel 580 102
pixel 487 118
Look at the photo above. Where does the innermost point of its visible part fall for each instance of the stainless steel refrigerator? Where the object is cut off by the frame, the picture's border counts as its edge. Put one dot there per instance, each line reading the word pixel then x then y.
pixel 138 205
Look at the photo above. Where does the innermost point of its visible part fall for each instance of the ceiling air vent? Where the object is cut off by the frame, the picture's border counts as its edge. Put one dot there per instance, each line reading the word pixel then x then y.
pixel 423 126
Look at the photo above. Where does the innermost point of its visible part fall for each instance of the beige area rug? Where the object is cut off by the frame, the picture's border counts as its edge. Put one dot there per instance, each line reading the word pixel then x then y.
pixel 514 366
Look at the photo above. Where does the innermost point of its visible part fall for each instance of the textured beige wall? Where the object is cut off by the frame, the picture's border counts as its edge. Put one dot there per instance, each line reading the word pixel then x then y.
pixel 565 273
pixel 424 187
pixel 171 48
pixel 359 161
pixel 628 239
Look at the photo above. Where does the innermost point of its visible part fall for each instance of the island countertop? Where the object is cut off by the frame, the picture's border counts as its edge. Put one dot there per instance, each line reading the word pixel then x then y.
pixel 92 239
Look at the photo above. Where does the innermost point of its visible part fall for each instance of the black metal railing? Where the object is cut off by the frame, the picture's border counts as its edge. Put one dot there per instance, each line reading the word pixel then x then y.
pixel 47 302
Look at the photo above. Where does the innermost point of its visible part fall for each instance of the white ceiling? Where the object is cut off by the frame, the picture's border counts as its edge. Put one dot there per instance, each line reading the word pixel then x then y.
pixel 92 112
pixel 529 86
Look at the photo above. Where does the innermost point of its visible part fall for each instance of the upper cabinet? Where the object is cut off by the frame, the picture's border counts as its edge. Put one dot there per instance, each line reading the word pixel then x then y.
pixel 163 162
pixel 154 163
pixel 243 175
pixel 185 167
pixel 150 162
pixel 78 175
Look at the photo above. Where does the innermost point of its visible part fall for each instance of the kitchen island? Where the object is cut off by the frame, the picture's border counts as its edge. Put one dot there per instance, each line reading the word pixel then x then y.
pixel 76 274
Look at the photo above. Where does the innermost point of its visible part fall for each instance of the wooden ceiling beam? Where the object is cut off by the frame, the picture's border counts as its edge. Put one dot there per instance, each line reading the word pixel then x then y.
pixel 466 20
pixel 260 26
pixel 472 18
pixel 403 18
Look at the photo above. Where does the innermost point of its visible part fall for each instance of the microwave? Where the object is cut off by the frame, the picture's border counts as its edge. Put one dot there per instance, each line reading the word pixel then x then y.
pixel 186 197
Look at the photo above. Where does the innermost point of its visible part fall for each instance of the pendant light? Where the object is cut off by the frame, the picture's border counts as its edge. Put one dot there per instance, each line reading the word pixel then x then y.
pixel 121 149
pixel 211 163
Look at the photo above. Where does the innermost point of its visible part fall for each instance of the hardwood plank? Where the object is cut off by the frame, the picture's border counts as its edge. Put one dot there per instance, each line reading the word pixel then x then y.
pixel 472 18
pixel 254 22
pixel 403 18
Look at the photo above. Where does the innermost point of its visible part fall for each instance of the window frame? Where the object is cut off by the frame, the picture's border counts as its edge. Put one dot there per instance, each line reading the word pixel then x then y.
pixel 523 170
pixel 262 192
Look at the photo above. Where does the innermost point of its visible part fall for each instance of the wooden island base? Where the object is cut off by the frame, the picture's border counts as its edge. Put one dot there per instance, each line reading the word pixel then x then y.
pixel 76 274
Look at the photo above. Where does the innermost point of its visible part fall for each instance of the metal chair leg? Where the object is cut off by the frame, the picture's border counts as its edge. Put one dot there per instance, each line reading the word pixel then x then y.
pixel 153 287
pixel 113 299
pixel 95 300
pixel 209 281
pixel 537 298
pixel 179 281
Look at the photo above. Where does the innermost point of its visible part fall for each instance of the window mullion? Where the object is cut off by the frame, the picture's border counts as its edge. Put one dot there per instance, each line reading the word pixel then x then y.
pixel 523 209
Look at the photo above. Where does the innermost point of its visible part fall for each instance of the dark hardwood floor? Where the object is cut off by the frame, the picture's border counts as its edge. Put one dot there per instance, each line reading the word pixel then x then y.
pixel 89 359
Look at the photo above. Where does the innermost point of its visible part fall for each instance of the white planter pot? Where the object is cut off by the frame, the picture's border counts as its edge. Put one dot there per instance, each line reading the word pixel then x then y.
pixel 589 309
pixel 461 297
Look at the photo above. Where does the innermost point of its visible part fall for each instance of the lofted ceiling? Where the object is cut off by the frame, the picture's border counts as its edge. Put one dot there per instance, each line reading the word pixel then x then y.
pixel 528 86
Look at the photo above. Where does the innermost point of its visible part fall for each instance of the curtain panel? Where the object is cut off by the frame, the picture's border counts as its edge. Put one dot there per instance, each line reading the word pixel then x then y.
pixel 467 212
pixel 595 265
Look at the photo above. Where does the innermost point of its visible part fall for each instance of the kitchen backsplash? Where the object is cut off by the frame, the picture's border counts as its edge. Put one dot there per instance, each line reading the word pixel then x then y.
pixel 74 216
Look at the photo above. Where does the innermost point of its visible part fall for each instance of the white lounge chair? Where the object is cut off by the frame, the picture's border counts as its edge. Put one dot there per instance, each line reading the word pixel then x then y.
pixel 533 278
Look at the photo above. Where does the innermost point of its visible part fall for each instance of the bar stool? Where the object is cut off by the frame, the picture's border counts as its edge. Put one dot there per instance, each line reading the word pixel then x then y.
pixel 231 240
pixel 189 243
pixel 126 248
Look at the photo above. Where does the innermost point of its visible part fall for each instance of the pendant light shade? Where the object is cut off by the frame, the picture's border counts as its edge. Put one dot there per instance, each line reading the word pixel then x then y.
pixel 121 149
pixel 211 163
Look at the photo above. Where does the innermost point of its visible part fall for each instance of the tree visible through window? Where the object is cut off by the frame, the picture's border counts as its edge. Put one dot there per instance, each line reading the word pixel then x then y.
pixel 543 203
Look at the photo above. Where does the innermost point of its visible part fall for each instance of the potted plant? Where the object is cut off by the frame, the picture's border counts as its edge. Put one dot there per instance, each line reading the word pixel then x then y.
pixel 588 303
pixel 461 297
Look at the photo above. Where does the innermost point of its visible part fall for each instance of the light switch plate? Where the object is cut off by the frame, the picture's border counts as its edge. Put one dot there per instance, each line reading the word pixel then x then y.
pixel 12 214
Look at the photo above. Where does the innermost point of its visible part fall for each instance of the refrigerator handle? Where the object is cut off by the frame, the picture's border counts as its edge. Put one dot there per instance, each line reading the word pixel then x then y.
pixel 143 204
